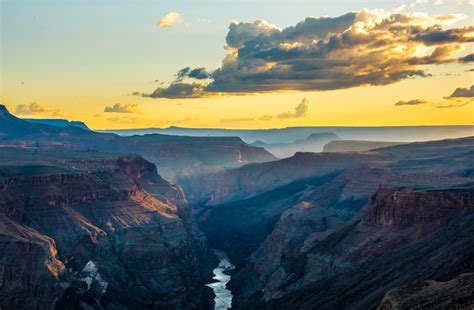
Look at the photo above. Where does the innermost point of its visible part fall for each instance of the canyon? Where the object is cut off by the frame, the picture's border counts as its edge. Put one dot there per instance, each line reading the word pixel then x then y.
pixel 94 220
pixel 105 231
pixel 175 156
pixel 286 235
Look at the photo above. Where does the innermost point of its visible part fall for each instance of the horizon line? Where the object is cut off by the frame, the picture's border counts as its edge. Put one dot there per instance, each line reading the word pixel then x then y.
pixel 281 128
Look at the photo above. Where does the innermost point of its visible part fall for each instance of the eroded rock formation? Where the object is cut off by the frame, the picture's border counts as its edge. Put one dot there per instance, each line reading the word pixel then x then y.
pixel 106 232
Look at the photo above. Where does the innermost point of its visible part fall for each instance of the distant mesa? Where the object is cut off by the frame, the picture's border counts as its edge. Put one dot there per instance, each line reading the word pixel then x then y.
pixel 292 134
pixel 57 122
pixel 313 143
pixel 6 116
pixel 356 145
pixel 176 156
pixel 260 143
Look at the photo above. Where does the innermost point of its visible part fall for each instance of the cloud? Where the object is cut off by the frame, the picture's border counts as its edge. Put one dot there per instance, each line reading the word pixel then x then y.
pixel 439 2
pixel 36 108
pixel 451 105
pixel 178 90
pixel 467 58
pixel 459 98
pixel 123 108
pixel 410 102
pixel 439 36
pixel 169 20
pixel 239 33
pixel 302 110
pixel 463 93
pixel 198 73
pixel 326 53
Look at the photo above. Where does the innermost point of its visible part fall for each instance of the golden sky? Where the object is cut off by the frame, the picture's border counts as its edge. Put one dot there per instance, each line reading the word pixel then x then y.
pixel 116 67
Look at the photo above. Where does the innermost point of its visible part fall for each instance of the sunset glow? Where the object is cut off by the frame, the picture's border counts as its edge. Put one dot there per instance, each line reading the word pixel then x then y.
pixel 132 55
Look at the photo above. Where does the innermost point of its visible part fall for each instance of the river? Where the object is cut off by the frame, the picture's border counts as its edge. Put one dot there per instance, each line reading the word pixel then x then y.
pixel 223 296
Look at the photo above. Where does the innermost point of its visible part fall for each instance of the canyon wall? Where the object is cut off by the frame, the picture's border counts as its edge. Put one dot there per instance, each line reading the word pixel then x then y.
pixel 95 236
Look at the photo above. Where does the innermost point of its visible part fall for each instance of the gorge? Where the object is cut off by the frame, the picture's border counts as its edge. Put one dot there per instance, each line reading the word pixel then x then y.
pixel 102 229
pixel 236 155
pixel 222 295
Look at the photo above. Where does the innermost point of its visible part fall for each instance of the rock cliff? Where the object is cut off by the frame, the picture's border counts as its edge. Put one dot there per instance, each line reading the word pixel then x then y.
pixel 457 293
pixel 439 256
pixel 106 232
pixel 286 233
pixel 392 220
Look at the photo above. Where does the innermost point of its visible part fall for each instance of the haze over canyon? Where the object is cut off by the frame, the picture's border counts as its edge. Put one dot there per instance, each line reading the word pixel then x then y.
pixel 87 224
pixel 264 154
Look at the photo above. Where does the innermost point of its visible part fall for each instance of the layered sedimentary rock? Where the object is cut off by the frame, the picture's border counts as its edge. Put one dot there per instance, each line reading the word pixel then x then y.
pixel 254 179
pixel 106 231
pixel 195 156
pixel 294 232
pixel 30 272
pixel 321 210
pixel 251 180
pixel 440 256
pixel 392 221
pixel 175 156
pixel 457 293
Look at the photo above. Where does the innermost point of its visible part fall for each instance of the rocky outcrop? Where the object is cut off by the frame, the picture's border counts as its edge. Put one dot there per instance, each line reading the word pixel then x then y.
pixel 240 227
pixel 284 232
pixel 399 209
pixel 108 233
pixel 440 256
pixel 393 219
pixel 457 293
pixel 31 275
pixel 320 211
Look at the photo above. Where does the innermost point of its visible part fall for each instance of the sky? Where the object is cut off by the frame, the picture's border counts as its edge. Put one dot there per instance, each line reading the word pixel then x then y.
pixel 238 63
